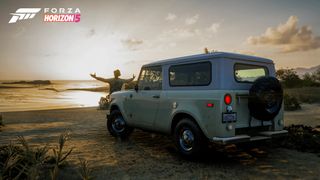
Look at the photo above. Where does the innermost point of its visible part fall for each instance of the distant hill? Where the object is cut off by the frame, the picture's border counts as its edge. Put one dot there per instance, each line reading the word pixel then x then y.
pixel 301 71
pixel 35 82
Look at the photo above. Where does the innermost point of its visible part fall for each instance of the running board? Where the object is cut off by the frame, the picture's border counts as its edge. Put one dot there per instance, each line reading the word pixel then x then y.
pixel 274 133
pixel 239 139
pixel 265 135
pixel 231 140
pixel 259 138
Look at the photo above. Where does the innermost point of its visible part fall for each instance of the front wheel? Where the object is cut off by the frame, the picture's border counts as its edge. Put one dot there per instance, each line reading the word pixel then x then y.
pixel 117 126
pixel 188 138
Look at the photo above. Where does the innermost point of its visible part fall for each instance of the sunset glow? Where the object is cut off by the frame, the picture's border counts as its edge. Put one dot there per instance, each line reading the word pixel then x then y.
pixel 124 35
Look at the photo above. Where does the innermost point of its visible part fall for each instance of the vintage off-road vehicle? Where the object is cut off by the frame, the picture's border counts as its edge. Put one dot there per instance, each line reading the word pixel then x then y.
pixel 218 97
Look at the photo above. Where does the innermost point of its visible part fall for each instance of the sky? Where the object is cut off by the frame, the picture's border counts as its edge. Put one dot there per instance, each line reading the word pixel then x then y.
pixel 125 34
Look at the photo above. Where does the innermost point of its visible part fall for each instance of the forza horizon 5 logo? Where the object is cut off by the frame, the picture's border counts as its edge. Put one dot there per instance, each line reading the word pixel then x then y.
pixel 49 14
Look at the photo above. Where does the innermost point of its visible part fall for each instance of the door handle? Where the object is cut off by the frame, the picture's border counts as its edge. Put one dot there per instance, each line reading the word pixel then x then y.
pixel 156 96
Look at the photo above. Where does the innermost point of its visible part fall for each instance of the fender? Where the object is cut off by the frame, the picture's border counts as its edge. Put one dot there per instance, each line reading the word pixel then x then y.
pixel 194 113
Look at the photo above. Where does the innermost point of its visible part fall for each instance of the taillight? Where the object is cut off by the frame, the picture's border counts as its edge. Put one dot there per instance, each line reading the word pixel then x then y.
pixel 210 105
pixel 227 99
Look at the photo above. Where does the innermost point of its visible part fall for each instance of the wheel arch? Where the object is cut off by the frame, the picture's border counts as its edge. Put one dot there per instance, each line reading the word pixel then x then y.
pixel 114 107
pixel 181 115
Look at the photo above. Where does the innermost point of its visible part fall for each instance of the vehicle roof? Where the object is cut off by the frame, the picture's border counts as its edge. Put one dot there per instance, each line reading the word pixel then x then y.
pixel 210 56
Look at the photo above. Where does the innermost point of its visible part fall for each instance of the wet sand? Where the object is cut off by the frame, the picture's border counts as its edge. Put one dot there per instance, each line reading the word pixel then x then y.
pixel 153 156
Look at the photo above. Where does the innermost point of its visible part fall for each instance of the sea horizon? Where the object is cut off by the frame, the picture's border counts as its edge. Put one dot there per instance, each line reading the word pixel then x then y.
pixel 57 95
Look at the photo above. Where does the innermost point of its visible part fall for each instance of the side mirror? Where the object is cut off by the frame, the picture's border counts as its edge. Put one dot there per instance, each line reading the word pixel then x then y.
pixel 136 87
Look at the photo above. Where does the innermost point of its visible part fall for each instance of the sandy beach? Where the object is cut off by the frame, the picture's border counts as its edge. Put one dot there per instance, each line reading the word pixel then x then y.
pixel 153 156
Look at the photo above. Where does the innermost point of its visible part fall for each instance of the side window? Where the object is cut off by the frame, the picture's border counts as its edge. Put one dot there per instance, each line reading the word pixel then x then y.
pixel 195 74
pixel 249 73
pixel 151 78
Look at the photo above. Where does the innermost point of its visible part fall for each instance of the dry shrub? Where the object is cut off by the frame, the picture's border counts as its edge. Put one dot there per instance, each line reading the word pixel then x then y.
pixel 20 161
pixel 85 171
pixel 302 138
pixel 291 103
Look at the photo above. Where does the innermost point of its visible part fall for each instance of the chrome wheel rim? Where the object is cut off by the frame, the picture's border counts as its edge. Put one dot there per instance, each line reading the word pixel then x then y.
pixel 118 125
pixel 186 140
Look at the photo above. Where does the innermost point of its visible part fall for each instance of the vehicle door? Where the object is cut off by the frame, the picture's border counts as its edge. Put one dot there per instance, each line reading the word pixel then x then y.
pixel 142 105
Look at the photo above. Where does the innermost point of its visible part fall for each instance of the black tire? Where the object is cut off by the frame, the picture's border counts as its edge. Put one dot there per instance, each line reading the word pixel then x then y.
pixel 184 127
pixel 117 126
pixel 266 96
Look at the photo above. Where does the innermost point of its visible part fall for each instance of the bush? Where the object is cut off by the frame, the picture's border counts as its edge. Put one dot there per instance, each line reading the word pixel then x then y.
pixel 20 161
pixel 289 78
pixel 302 138
pixel 291 103
pixel 310 80
pixel 305 94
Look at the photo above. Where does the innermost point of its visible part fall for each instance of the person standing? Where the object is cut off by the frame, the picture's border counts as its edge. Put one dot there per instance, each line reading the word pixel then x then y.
pixel 115 83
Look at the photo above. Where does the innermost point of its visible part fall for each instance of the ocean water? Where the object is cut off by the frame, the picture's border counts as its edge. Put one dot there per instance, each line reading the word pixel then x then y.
pixel 54 96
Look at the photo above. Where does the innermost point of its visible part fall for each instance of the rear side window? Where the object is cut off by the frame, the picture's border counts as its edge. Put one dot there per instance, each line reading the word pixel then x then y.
pixel 248 72
pixel 195 74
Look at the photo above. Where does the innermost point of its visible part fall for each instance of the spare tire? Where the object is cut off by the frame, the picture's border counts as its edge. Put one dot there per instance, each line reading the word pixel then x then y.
pixel 266 96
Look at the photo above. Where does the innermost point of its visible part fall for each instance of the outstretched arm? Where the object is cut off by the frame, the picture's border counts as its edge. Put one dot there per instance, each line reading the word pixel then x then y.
pixel 129 80
pixel 100 78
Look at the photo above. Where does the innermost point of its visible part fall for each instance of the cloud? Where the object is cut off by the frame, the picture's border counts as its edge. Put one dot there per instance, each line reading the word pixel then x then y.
pixel 132 43
pixel 186 32
pixel 171 17
pixel 288 37
pixel 214 28
pixel 192 20
pixel 181 33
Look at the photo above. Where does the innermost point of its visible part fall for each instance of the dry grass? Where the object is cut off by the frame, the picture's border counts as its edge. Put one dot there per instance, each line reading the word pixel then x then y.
pixel 20 161
pixel 85 171
pixel 59 155
pixel 305 94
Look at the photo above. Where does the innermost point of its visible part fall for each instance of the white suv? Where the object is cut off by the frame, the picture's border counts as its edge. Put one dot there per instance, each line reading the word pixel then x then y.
pixel 218 97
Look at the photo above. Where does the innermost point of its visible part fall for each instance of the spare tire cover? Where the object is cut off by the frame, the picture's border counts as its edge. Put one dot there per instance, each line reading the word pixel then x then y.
pixel 266 95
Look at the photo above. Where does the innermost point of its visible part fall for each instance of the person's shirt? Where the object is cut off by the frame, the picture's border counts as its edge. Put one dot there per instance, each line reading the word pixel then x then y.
pixel 115 84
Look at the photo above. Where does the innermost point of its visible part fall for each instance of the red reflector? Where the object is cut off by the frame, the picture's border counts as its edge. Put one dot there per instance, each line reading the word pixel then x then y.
pixel 210 104
pixel 227 99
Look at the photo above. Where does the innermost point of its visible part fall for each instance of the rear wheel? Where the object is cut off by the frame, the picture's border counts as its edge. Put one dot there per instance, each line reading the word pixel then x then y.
pixel 117 126
pixel 188 138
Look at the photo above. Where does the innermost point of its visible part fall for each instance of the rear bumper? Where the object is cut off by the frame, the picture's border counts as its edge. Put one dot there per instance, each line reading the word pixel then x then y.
pixel 265 135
